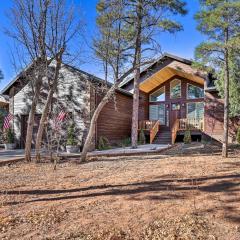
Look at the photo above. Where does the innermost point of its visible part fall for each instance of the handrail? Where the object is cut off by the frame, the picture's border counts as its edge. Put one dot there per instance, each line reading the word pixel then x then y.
pixel 146 124
pixel 175 129
pixel 151 126
pixel 154 131
pixel 191 124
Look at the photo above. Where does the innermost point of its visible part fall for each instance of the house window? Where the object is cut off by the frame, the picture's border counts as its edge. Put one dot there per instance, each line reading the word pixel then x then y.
pixel 176 106
pixel 194 92
pixel 195 110
pixel 175 88
pixel 157 112
pixel 158 95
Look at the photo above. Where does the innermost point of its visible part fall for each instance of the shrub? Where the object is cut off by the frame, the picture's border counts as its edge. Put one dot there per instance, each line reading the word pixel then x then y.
pixel 238 136
pixel 142 138
pixel 9 136
pixel 71 138
pixel 126 142
pixel 187 137
pixel 103 143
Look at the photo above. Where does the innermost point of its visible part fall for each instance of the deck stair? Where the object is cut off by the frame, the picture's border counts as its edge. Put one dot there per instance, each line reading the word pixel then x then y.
pixel 163 137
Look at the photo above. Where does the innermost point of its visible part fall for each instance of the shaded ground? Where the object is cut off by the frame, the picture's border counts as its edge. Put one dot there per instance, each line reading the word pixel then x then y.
pixel 190 191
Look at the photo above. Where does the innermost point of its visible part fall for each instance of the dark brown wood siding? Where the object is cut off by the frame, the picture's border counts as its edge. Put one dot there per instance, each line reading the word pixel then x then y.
pixel 115 119
pixel 143 113
pixel 213 118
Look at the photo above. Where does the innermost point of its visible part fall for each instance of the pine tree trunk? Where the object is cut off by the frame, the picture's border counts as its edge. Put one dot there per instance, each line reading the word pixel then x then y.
pixel 138 49
pixel 226 100
pixel 134 135
pixel 93 122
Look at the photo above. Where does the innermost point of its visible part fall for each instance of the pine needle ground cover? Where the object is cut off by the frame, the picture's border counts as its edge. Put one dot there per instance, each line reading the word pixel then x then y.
pixel 189 192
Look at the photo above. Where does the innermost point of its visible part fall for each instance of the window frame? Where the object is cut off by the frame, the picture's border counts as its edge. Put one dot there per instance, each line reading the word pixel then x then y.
pixel 200 102
pixel 180 88
pixel 158 108
pixel 156 91
pixel 193 86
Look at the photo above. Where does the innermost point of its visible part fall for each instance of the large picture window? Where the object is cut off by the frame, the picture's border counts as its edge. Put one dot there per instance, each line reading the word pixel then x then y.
pixel 157 112
pixel 175 88
pixel 194 92
pixel 195 110
pixel 158 95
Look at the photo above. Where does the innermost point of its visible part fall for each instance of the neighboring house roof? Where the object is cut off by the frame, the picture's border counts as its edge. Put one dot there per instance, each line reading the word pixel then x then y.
pixel 92 77
pixel 4 100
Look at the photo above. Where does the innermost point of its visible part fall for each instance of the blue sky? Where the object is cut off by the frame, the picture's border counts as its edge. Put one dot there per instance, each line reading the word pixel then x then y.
pixel 181 44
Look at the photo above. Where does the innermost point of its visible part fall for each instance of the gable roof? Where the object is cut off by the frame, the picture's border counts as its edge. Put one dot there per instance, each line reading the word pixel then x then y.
pixel 91 77
pixel 158 60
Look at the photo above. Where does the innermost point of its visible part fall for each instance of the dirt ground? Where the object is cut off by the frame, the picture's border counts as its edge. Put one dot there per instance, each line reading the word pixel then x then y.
pixel 189 192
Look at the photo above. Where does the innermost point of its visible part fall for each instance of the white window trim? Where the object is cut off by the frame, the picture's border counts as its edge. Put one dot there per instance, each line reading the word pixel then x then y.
pixel 156 91
pixel 193 86
pixel 180 88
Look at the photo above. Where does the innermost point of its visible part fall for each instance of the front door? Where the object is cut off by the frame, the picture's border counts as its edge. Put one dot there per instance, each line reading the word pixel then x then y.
pixel 175 113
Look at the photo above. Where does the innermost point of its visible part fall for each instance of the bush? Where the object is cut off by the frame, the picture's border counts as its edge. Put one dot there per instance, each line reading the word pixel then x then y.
pixel 71 138
pixel 142 138
pixel 103 143
pixel 126 142
pixel 238 136
pixel 187 137
pixel 9 136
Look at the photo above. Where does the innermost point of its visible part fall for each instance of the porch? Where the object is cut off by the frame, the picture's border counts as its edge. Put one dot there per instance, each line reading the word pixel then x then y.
pixel 153 128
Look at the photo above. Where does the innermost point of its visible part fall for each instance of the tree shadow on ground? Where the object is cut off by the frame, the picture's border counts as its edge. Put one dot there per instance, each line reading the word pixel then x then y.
pixel 169 189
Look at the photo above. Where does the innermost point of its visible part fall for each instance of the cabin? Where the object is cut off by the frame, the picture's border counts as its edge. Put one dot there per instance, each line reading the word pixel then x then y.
pixel 175 97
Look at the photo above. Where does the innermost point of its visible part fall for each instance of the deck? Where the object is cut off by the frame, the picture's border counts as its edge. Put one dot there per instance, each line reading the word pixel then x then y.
pixel 152 128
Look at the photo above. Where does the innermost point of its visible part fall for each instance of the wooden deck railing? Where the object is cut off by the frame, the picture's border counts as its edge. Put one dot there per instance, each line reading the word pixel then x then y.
pixel 186 124
pixel 151 126
pixel 191 124
pixel 175 129
pixel 154 131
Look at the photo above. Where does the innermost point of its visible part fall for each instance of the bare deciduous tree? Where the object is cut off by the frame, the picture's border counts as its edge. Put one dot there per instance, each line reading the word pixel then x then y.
pixel 62 28
pixel 42 29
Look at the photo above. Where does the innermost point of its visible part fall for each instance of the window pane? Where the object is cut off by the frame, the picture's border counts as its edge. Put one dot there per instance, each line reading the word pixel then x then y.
pixel 175 88
pixel 153 112
pixel 161 113
pixel 195 92
pixel 176 106
pixel 195 110
pixel 157 112
pixel 191 107
pixel 157 96
pixel 199 110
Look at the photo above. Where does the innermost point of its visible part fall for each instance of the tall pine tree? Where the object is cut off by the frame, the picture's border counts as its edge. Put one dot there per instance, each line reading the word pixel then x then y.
pixel 148 19
pixel 234 84
pixel 219 20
